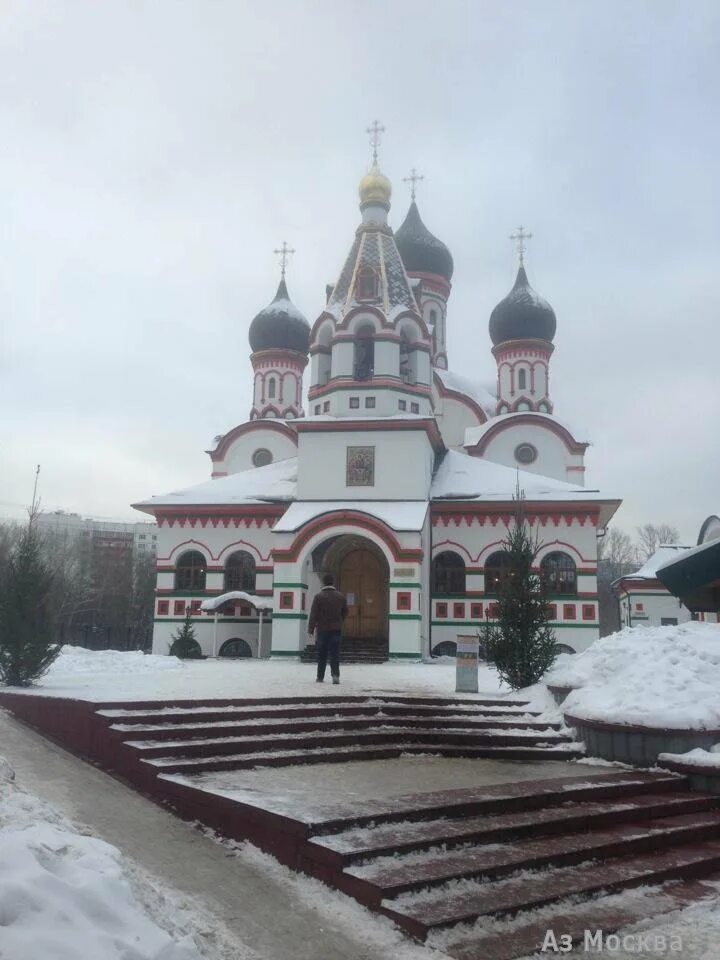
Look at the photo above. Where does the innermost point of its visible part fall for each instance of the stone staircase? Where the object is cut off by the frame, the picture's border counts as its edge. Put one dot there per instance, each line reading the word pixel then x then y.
pixel 469 872
pixel 481 872
pixel 200 738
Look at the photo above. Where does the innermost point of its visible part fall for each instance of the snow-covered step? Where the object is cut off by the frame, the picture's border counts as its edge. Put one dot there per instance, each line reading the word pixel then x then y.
pixel 333 720
pixel 524 936
pixel 453 738
pixel 495 799
pixel 411 836
pixel 466 900
pixel 389 877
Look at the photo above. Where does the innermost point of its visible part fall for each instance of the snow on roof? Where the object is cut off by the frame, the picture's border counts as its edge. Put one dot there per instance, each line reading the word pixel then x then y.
pixel 275 482
pixel 399 515
pixel 665 553
pixel 474 434
pixel 462 477
pixel 481 394
pixel 685 552
pixel 260 603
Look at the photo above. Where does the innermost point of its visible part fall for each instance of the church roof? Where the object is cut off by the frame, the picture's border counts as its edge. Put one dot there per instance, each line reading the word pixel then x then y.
pixel 522 314
pixel 374 249
pixel 482 395
pixel 280 325
pixel 420 250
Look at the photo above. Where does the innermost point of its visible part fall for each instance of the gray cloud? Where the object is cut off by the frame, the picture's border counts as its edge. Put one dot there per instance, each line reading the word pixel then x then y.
pixel 154 155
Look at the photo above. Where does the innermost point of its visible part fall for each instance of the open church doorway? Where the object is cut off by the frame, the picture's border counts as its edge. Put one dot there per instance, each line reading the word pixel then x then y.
pixel 361 572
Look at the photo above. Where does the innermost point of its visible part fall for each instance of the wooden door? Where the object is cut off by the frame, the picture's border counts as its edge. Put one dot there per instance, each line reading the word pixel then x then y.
pixel 363 581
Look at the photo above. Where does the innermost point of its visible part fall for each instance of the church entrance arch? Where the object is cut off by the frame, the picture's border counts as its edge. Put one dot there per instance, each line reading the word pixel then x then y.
pixel 361 572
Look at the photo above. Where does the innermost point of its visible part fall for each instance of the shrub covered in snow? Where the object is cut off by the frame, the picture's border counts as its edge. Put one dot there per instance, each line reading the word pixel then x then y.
pixel 653 676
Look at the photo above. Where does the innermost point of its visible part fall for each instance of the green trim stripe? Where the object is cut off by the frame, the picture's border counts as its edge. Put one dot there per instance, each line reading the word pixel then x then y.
pixel 404 616
pixel 283 586
pixel 290 616
pixel 400 585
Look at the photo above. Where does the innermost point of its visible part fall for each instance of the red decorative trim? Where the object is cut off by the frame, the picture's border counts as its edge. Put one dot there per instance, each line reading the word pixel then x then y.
pixel 458 611
pixel 519 348
pixel 404 600
pixel 286 600
pixel 367 308
pixel 179 608
pixel 163 608
pixel 536 419
pixel 588 611
pixel 569 611
pixel 352 518
pixel 476 611
pixel 446 392
pixel 231 436
pixel 433 281
pixel 441 611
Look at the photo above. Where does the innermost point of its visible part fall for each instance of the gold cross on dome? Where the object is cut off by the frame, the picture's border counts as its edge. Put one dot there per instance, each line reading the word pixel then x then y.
pixel 284 252
pixel 376 131
pixel 413 179
pixel 521 237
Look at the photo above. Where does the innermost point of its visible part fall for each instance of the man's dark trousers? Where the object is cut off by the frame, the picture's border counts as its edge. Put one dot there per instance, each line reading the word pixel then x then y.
pixel 328 647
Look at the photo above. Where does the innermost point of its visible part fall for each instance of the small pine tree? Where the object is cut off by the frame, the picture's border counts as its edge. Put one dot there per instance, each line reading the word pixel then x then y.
pixel 27 636
pixel 520 643
pixel 184 643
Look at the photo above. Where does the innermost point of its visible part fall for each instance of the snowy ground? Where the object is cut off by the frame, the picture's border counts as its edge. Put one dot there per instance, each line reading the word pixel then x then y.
pixel 111 675
pixel 67 895
pixel 655 676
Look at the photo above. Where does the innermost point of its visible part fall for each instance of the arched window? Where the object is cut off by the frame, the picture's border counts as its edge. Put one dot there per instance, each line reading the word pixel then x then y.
pixel 559 573
pixel 448 574
pixel 364 353
pixel 240 572
pixel 406 371
pixel 497 569
pixel 522 379
pixel 190 571
pixel 271 388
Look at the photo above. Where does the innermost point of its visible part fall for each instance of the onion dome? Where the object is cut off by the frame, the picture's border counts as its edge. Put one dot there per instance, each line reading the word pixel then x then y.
pixel 280 326
pixel 420 250
pixel 522 315
pixel 375 189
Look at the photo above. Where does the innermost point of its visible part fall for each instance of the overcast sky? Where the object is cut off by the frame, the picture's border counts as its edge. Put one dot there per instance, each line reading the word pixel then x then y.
pixel 153 154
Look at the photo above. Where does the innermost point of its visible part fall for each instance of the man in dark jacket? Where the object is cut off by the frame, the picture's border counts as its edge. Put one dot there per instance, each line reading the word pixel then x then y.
pixel 327 614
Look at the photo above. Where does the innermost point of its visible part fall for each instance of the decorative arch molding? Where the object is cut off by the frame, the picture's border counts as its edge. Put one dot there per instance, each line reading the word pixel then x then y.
pixel 443 546
pixel 560 546
pixel 433 281
pixel 187 545
pixel 346 521
pixel 450 394
pixel 365 313
pixel 220 452
pixel 529 417
pixel 240 545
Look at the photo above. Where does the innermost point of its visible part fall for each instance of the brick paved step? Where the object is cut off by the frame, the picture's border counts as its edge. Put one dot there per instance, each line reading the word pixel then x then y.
pixel 230 728
pixel 343 849
pixel 389 877
pixel 280 739
pixel 519 939
pixel 327 707
pixel 215 703
pixel 343 754
pixel 501 798
pixel 418 914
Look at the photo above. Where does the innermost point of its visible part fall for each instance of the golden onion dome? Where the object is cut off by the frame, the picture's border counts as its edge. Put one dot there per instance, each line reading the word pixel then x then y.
pixel 375 188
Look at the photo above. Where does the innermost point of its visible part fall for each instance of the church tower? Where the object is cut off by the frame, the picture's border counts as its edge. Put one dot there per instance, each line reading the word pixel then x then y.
pixel 279 338
pixel 371 347
pixel 429 264
pixel 522 327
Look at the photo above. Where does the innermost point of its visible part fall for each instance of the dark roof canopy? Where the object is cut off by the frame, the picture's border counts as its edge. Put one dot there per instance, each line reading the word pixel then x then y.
pixel 694 577
pixel 522 315
pixel 421 252
pixel 280 325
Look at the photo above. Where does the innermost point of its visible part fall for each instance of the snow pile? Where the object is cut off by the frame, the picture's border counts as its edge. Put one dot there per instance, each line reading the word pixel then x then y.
pixel 696 758
pixel 653 676
pixel 66 895
pixel 77 660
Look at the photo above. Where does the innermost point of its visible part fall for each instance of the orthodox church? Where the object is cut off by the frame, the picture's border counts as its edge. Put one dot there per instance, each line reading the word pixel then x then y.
pixel 395 474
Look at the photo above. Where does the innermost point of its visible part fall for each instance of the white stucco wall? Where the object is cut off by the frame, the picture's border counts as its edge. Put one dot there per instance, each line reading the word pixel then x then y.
pixel 553 459
pixel 240 452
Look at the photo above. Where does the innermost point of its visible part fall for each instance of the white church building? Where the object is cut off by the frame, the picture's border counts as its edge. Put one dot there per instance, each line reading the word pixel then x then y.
pixel 394 474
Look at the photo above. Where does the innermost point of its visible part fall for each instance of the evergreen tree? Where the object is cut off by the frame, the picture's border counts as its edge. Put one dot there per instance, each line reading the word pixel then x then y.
pixel 184 643
pixel 520 643
pixel 27 637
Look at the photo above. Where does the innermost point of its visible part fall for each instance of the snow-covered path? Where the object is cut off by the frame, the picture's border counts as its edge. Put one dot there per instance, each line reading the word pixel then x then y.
pixel 241 907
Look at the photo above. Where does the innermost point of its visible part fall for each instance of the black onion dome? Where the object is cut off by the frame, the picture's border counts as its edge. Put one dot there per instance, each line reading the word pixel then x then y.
pixel 421 252
pixel 522 315
pixel 280 326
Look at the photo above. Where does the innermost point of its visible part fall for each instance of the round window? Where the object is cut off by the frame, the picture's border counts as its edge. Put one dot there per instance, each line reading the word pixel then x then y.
pixel 261 457
pixel 525 453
